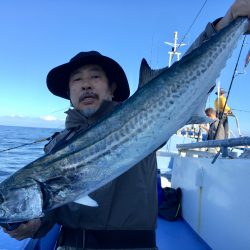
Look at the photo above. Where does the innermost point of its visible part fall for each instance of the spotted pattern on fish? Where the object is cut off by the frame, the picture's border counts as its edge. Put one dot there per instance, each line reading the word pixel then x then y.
pixel 135 129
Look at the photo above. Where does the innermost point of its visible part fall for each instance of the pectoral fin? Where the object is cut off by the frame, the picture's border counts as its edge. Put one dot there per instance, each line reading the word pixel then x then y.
pixel 87 201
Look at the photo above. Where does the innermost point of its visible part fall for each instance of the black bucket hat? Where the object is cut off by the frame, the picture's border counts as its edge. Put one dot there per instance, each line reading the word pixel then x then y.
pixel 58 78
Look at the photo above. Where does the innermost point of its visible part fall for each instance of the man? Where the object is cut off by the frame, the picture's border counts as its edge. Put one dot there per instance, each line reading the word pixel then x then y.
pixel 220 102
pixel 222 110
pixel 127 207
pixel 215 130
pixel 127 211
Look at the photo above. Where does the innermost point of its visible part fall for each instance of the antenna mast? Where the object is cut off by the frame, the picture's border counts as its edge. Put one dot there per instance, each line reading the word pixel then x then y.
pixel 174 46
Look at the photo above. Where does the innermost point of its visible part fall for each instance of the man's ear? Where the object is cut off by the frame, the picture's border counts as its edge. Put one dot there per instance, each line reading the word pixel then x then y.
pixel 68 93
pixel 71 104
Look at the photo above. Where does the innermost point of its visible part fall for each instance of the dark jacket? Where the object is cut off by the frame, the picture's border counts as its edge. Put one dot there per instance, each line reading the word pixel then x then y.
pixel 127 203
pixel 213 134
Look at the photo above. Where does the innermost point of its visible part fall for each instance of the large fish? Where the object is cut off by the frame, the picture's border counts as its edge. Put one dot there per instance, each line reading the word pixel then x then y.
pixel 171 99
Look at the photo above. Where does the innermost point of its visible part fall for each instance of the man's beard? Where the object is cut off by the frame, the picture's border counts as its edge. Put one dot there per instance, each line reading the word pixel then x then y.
pixel 88 112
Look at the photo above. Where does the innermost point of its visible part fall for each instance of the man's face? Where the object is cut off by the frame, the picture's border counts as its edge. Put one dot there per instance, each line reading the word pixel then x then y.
pixel 212 116
pixel 89 87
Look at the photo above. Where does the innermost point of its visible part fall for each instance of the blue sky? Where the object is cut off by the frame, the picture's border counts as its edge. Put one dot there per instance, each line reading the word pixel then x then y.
pixel 39 35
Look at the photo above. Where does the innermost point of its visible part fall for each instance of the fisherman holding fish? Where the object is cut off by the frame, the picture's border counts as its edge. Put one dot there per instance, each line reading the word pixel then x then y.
pixel 123 213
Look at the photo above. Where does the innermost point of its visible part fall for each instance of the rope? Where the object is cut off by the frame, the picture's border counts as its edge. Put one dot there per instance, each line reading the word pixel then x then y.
pixel 240 110
pixel 192 24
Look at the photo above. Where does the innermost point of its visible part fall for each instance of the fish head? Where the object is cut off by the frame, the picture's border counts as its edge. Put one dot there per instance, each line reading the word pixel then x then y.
pixel 20 203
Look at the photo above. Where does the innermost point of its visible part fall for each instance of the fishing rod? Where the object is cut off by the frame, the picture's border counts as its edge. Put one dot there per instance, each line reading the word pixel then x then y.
pixel 230 86
pixel 37 141
pixel 175 46
pixel 192 24
pixel 27 144
pixel 240 110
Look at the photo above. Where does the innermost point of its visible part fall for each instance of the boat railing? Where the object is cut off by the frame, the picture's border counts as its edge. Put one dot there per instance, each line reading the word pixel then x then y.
pixel 222 144
pixel 237 124
pixel 231 142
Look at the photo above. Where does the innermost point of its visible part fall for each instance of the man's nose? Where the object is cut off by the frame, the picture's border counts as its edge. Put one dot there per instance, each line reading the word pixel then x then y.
pixel 86 84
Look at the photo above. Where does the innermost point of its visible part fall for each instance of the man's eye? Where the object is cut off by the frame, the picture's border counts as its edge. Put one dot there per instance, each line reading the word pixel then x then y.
pixel 95 76
pixel 76 79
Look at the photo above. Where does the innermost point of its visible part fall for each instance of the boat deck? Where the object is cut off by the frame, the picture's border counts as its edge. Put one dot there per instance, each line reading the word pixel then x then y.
pixel 178 235
pixel 175 235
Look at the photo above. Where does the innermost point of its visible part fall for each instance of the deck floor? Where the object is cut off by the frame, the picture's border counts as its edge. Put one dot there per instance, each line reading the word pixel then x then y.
pixel 178 235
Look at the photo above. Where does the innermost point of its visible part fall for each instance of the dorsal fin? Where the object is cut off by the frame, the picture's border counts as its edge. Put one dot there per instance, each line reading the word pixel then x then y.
pixel 147 74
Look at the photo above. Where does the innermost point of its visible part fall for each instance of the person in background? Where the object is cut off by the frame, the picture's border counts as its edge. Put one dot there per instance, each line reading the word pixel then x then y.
pixel 212 133
pixel 220 106
pixel 127 212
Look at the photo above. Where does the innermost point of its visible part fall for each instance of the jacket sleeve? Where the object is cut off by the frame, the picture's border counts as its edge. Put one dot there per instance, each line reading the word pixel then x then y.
pixel 47 222
pixel 56 138
pixel 223 103
pixel 204 36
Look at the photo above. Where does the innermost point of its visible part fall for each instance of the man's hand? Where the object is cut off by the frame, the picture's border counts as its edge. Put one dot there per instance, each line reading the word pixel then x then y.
pixel 239 8
pixel 204 127
pixel 25 230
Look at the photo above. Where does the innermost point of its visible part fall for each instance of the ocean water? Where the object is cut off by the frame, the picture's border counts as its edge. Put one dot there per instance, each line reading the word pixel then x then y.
pixel 11 136
pixel 12 160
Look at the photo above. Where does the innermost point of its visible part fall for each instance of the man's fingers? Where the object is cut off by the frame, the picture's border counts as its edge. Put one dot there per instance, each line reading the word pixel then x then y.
pixel 25 230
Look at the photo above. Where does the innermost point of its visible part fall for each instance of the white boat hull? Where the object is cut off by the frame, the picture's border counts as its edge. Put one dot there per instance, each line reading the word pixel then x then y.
pixel 216 200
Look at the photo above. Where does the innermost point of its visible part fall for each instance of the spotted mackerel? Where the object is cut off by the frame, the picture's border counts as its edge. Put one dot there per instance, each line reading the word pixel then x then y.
pixel 172 99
